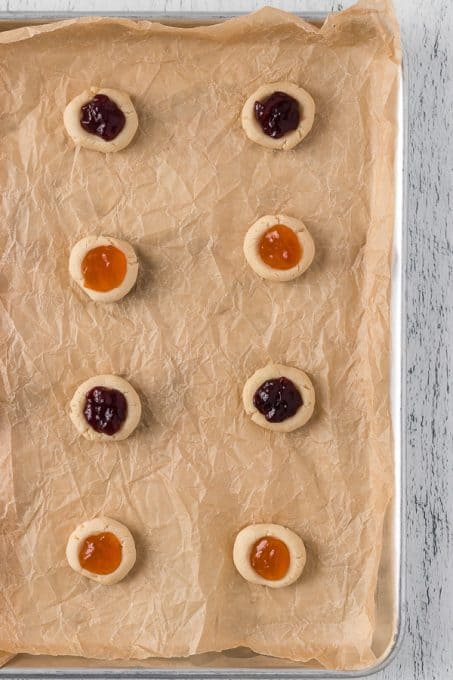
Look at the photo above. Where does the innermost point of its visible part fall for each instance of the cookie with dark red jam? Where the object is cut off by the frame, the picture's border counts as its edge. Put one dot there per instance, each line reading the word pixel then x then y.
pixel 278 115
pixel 105 407
pixel 279 398
pixel 101 119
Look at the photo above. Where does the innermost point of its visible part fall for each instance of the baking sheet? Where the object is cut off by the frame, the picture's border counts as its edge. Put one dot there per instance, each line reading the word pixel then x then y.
pixel 390 590
pixel 389 614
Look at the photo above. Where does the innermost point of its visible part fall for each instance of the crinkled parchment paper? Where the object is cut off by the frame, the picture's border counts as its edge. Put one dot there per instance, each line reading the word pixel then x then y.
pixel 198 324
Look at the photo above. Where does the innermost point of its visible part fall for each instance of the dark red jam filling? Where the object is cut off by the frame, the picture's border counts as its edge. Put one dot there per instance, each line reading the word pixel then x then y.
pixel 277 399
pixel 102 117
pixel 278 115
pixel 105 410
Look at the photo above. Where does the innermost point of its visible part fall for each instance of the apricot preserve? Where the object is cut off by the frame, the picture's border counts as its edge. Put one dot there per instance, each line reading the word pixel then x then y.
pixel 105 409
pixel 101 553
pixel 104 268
pixel 270 558
pixel 277 399
pixel 279 247
pixel 102 117
pixel 278 114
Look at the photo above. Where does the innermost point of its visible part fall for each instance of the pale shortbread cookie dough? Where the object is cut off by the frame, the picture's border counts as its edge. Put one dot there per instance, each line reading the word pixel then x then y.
pixel 252 255
pixel 300 380
pixel 246 539
pixel 253 129
pixel 101 525
pixel 88 243
pixel 134 407
pixel 81 137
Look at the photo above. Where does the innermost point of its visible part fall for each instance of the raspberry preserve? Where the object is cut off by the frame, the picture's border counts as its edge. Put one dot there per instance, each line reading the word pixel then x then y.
pixel 278 114
pixel 102 117
pixel 105 410
pixel 277 399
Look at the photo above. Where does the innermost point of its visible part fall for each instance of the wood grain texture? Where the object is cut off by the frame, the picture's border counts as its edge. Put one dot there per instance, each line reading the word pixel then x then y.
pixel 427 649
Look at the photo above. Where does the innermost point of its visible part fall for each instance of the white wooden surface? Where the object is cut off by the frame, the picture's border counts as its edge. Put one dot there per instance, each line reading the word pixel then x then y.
pixel 427 27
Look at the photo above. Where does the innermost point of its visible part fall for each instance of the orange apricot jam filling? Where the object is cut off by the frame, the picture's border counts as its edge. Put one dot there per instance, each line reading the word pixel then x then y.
pixel 269 557
pixel 101 553
pixel 279 247
pixel 104 268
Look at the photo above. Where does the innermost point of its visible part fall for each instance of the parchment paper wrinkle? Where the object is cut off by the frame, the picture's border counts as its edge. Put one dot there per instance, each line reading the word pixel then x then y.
pixel 198 324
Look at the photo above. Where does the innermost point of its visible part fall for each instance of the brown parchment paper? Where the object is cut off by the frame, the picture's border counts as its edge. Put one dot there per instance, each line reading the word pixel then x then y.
pixel 197 325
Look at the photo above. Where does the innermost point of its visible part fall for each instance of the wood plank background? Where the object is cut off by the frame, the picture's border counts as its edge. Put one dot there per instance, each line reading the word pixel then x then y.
pixel 427 28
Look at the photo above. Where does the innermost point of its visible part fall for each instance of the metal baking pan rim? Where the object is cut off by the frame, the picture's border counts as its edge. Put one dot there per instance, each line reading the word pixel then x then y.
pixel 399 334
pixel 164 17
